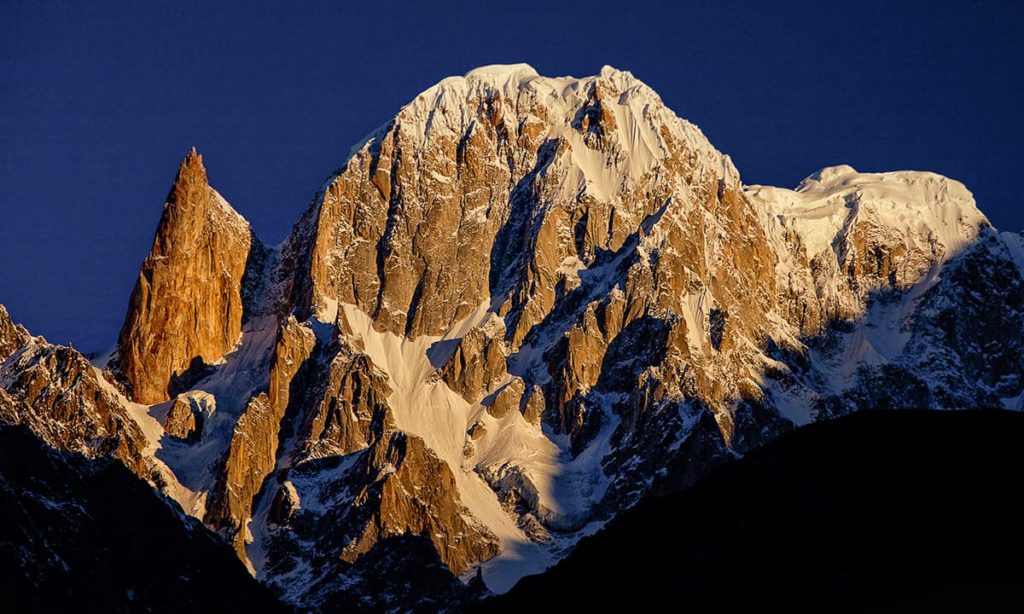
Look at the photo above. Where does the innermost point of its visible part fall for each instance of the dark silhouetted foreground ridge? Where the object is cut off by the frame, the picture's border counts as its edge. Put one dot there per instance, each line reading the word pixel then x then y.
pixel 898 511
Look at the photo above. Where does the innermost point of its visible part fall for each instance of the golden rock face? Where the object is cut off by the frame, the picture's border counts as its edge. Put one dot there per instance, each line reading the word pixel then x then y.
pixel 252 453
pixel 186 309
pixel 476 366
pixel 55 391
pixel 352 412
pixel 476 186
pixel 12 336
pixel 481 192
pixel 410 492
pixel 181 421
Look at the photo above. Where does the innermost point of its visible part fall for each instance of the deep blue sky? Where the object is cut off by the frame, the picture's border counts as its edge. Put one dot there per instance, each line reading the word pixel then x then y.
pixel 99 102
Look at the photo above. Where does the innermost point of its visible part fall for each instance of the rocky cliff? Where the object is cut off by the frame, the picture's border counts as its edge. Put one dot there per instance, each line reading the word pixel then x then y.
pixel 188 305
pixel 64 400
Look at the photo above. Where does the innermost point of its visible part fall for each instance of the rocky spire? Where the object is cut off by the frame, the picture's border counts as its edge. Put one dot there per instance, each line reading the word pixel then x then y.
pixel 191 174
pixel 187 307
pixel 12 336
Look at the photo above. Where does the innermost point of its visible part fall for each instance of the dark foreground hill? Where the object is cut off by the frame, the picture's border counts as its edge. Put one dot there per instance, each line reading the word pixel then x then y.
pixel 87 535
pixel 893 511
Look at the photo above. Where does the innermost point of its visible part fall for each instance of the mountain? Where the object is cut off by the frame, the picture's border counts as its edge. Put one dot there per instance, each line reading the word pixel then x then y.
pixel 88 532
pixel 889 511
pixel 519 308
pixel 187 306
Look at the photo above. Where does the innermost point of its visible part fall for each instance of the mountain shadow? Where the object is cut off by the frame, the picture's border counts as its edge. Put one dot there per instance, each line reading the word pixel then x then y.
pixel 877 511
pixel 79 534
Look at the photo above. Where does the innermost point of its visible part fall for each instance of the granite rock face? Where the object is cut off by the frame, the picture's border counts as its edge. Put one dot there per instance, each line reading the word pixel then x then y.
pixel 252 453
pixel 182 421
pixel 385 480
pixel 58 394
pixel 12 336
pixel 187 308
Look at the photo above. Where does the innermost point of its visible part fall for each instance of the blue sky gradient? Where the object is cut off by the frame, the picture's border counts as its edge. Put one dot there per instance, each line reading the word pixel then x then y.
pixel 99 101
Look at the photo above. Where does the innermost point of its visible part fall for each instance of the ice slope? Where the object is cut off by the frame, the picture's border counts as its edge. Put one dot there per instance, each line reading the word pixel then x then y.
pixel 922 206
pixel 928 211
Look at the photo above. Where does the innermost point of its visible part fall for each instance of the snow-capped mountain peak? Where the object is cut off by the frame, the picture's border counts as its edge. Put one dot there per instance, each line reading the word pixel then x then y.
pixel 519 307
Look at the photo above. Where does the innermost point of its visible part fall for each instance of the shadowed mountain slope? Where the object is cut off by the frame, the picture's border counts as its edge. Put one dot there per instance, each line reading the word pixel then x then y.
pixel 875 511
pixel 87 534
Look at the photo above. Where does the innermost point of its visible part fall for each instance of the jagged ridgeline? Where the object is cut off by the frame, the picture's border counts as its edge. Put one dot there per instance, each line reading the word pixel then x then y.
pixel 518 308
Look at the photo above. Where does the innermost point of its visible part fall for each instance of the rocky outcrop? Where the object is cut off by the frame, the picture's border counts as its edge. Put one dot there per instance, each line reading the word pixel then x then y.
pixel 250 457
pixel 252 454
pixel 507 399
pixel 187 308
pixel 534 406
pixel 397 466
pixel 295 345
pixel 188 414
pixel 395 487
pixel 181 421
pixel 477 365
pixel 59 396
pixel 352 412
pixel 12 336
